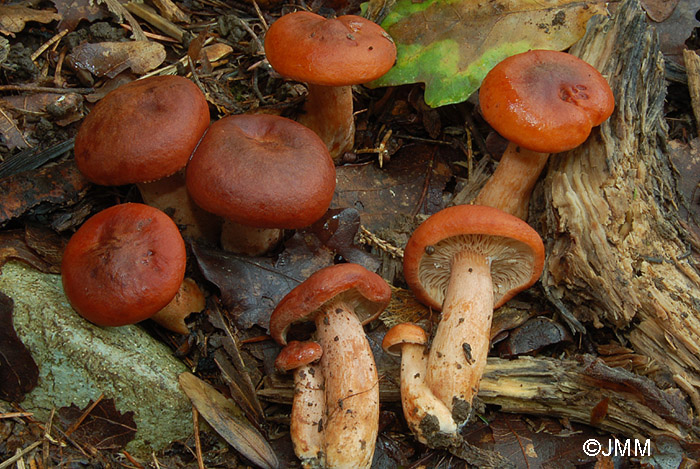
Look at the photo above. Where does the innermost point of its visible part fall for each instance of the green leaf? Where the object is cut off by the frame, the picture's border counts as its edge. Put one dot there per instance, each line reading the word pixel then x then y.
pixel 450 45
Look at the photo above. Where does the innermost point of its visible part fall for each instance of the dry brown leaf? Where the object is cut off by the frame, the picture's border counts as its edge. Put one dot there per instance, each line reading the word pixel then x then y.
pixel 229 421
pixel 14 17
pixel 11 135
pixel 659 10
pixel 73 11
pixel 111 58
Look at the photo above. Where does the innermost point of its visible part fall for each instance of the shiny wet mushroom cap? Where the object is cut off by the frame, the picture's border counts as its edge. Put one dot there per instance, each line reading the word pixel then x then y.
pixel 123 265
pixel 142 131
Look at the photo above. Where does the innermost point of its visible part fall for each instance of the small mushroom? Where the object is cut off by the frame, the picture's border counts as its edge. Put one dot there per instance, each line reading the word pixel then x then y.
pixel 308 405
pixel 144 133
pixel 261 173
pixel 330 55
pixel 338 299
pixel 427 416
pixel 543 102
pixel 125 264
pixel 467 260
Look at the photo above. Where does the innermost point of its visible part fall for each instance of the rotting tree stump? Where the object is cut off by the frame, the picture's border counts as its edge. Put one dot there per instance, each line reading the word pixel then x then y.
pixel 617 251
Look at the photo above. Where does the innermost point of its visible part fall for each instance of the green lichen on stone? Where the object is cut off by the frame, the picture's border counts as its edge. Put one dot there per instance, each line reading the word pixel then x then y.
pixel 78 361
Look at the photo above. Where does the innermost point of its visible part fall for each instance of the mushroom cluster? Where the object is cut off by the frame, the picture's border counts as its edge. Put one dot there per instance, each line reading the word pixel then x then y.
pixel 465 261
pixel 335 414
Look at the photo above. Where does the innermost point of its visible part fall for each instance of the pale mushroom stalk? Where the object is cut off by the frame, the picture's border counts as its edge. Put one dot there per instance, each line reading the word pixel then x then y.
pixel 340 299
pixel 248 240
pixel 458 353
pixel 169 194
pixel 465 261
pixel 428 418
pixel 351 386
pixel 306 426
pixel 510 186
pixel 188 299
pixel 328 111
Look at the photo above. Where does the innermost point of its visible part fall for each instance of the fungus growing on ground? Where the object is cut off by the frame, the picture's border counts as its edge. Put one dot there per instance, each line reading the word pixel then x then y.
pixel 262 174
pixel 329 55
pixel 144 133
pixel 467 260
pixel 309 403
pixel 427 416
pixel 339 299
pixel 543 102
pixel 126 264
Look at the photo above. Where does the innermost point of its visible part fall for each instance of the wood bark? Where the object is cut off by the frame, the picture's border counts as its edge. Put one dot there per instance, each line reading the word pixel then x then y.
pixel 569 388
pixel 617 250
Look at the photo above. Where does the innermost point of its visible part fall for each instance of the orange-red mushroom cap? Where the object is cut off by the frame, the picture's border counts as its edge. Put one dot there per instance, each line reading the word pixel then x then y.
pixel 348 50
pixel 545 101
pixel 365 292
pixel 142 131
pixel 514 249
pixel 262 171
pixel 123 265
pixel 404 333
pixel 297 354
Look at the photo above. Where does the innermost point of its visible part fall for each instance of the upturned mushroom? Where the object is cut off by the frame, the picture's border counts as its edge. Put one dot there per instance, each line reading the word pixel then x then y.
pixel 543 102
pixel 329 55
pixel 144 133
pixel 338 299
pixel 126 264
pixel 467 260
pixel 427 416
pixel 262 174
pixel 309 403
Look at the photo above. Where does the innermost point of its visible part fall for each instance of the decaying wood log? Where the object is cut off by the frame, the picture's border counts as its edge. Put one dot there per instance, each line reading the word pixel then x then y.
pixel 611 225
pixel 568 388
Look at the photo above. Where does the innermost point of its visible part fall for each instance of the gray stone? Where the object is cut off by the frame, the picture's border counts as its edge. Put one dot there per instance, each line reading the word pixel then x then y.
pixel 78 361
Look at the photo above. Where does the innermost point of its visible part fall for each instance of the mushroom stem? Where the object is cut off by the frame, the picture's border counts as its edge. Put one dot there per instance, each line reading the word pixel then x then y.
pixel 511 184
pixel 170 195
pixel 427 417
pixel 329 113
pixel 458 353
pixel 306 427
pixel 352 390
pixel 188 299
pixel 248 240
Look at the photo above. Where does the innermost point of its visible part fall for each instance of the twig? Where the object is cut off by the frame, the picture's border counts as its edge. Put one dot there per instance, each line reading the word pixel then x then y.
pixel 47 44
pixel 197 442
pixel 11 415
pixel 367 237
pixel 80 420
pixel 45 89
pixel 18 455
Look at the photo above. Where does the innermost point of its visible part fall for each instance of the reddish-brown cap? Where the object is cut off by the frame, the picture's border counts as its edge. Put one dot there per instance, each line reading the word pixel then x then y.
pixel 514 249
pixel 263 171
pixel 363 291
pixel 400 334
pixel 296 354
pixel 545 101
pixel 142 131
pixel 123 265
pixel 348 50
